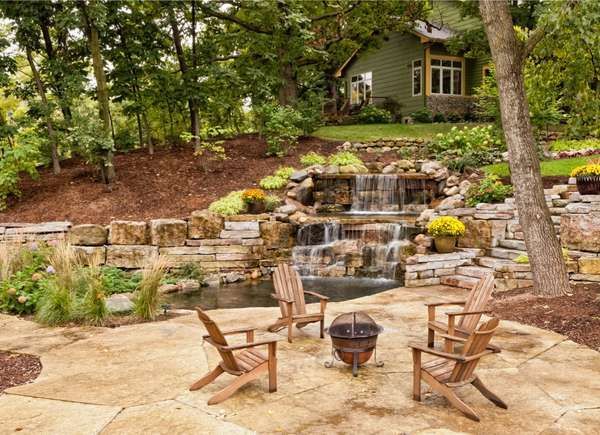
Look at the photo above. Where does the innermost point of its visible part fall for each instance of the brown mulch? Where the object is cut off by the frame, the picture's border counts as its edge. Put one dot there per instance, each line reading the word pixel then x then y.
pixel 170 183
pixel 17 369
pixel 576 316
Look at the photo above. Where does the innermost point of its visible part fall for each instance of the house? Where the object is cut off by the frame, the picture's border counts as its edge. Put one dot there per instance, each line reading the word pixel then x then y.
pixel 416 69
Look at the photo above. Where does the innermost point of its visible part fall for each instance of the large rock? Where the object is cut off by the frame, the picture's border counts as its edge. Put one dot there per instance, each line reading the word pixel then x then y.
pixel 168 232
pixel 589 265
pixel 119 303
pixel 128 233
pixel 304 192
pixel 277 234
pixel 129 257
pixel 581 231
pixel 482 233
pixel 88 235
pixel 299 176
pixel 205 224
pixel 454 201
pixel 91 254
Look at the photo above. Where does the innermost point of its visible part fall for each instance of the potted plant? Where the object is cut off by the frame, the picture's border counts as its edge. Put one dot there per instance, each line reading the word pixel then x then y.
pixel 445 230
pixel 255 200
pixel 588 178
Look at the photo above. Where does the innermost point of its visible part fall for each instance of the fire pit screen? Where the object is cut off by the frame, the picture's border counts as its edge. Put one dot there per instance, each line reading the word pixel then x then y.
pixel 354 339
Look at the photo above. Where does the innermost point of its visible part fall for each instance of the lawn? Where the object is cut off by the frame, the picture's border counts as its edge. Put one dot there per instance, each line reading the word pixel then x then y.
pixel 369 132
pixel 549 168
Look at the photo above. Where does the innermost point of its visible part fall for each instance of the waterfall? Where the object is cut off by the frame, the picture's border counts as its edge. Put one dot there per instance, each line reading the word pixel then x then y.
pixel 386 194
pixel 335 249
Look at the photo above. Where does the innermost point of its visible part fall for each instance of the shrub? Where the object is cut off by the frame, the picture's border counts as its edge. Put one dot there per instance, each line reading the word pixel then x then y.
pixel 56 306
pixel 372 114
pixel 229 205
pixel 115 280
pixel 394 107
pixel 439 117
pixel 281 127
pixel 284 172
pixel 422 115
pixel 313 158
pixel 189 271
pixel 343 158
pixel 573 145
pixel 20 294
pixel 147 299
pixel 92 307
pixel 253 195
pixel 273 182
pixel 488 190
pixel 454 117
pixel 272 202
pixel 446 226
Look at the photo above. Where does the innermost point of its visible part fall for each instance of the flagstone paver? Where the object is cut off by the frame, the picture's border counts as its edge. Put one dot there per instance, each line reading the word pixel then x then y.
pixel 134 379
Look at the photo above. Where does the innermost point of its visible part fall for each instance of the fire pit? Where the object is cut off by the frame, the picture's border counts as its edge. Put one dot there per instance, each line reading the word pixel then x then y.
pixel 353 339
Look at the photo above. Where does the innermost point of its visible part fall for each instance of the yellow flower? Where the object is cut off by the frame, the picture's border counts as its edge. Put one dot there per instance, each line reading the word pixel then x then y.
pixel 253 195
pixel 446 226
pixel 589 169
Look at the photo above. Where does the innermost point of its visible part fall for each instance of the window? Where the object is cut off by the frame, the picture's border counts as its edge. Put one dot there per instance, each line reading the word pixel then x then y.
pixel 486 71
pixel 361 88
pixel 446 77
pixel 416 78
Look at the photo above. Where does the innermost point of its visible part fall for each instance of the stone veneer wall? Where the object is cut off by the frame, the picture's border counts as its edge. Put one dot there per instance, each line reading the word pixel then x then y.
pixel 249 244
pixel 451 104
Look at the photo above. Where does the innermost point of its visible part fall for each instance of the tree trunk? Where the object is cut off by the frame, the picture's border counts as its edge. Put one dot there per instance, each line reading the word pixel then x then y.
pixel 288 92
pixel 107 168
pixel 550 276
pixel 183 67
pixel 148 134
pixel 42 93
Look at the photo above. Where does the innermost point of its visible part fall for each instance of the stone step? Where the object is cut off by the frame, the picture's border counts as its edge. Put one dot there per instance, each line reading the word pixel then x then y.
pixel 513 244
pixel 502 265
pixel 461 281
pixel 473 271
pixel 507 254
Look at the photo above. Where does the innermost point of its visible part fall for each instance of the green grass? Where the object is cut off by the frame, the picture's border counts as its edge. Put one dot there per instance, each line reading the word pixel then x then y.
pixel 549 167
pixel 368 132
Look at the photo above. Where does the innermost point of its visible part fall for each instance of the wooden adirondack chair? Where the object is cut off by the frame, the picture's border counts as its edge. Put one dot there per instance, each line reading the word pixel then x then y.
pixel 289 292
pixel 473 308
pixel 247 365
pixel 456 369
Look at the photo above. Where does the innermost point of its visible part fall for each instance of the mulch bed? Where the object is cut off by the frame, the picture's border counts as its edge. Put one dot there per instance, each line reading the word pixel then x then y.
pixel 18 369
pixel 576 316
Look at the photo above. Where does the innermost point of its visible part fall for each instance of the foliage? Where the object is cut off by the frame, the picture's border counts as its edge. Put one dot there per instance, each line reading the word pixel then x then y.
pixel 446 226
pixel 312 158
pixel 562 167
pixel 188 271
pixel 273 182
pixel 488 190
pixel 272 202
pixel 439 117
pixel 524 258
pixel 394 107
pixel 253 195
pixel 147 298
pixel 343 158
pixel 284 172
pixel 370 132
pixel 115 280
pixel 422 115
pixel 56 305
pixel 230 204
pixel 372 114
pixel 571 145
pixel 586 170
pixel 92 306
pixel 280 127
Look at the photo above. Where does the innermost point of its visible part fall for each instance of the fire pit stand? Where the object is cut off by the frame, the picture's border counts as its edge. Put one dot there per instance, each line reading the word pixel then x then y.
pixel 353 340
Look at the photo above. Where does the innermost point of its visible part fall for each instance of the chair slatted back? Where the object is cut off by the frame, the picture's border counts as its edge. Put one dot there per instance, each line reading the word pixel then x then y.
pixel 476 343
pixel 218 338
pixel 477 301
pixel 288 285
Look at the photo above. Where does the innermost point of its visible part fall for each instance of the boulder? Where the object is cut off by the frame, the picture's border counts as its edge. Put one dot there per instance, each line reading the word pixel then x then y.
pixel 232 277
pixel 304 192
pixel 286 209
pixel 389 169
pixel 91 254
pixel 88 235
pixel 128 233
pixel 299 176
pixel 430 167
pixel 119 303
pixel 168 232
pixel 589 265
pixel 452 181
pixel 204 224
pixel 463 186
pixel 451 191
pixel 332 169
pixel 581 231
pixel 129 257
pixel 482 233
pixel 426 215
pixel 441 174
pixel 455 201
pixel 404 165
pixel 277 234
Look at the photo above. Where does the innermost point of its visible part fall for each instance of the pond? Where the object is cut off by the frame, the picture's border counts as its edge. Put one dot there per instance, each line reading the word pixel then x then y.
pixel 258 293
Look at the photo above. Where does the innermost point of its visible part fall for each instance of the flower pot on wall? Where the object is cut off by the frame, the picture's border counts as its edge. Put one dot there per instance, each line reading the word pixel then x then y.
pixel 256 207
pixel 588 184
pixel 445 245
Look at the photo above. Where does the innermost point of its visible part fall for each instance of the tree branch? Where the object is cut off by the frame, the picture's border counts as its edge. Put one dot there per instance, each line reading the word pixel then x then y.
pixel 336 13
pixel 232 18
pixel 534 38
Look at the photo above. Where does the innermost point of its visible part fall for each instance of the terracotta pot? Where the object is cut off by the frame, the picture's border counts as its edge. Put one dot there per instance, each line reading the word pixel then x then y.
pixel 256 207
pixel 445 245
pixel 588 184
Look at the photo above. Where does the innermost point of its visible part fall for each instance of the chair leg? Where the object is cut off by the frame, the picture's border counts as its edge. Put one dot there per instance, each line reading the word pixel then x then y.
pixel 277 326
pixel 207 379
pixel 451 396
pixel 416 375
pixel 272 362
pixel 290 324
pixel 430 337
pixel 226 392
pixel 322 325
pixel 488 394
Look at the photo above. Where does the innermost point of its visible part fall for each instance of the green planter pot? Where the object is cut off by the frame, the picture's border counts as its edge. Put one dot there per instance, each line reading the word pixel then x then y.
pixel 445 245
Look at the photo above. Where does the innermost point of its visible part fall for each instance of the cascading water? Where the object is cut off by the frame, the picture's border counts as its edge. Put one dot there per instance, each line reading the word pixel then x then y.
pixel 314 250
pixel 385 193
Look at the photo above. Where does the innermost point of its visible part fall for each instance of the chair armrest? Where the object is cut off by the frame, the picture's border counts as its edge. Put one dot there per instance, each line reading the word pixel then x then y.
pixel 467 313
pixel 453 338
pixel 439 304
pixel 429 350
pixel 279 298
pixel 320 296
pixel 487 351
pixel 247 345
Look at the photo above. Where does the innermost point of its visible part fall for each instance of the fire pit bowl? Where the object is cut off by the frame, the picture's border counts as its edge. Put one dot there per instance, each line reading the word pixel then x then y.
pixel 354 339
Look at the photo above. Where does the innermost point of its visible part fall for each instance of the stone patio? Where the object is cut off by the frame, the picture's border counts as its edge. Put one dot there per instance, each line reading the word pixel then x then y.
pixel 134 379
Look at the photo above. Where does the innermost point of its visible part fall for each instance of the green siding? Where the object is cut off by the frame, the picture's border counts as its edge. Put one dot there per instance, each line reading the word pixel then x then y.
pixel 447 13
pixel 391 65
pixel 476 69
